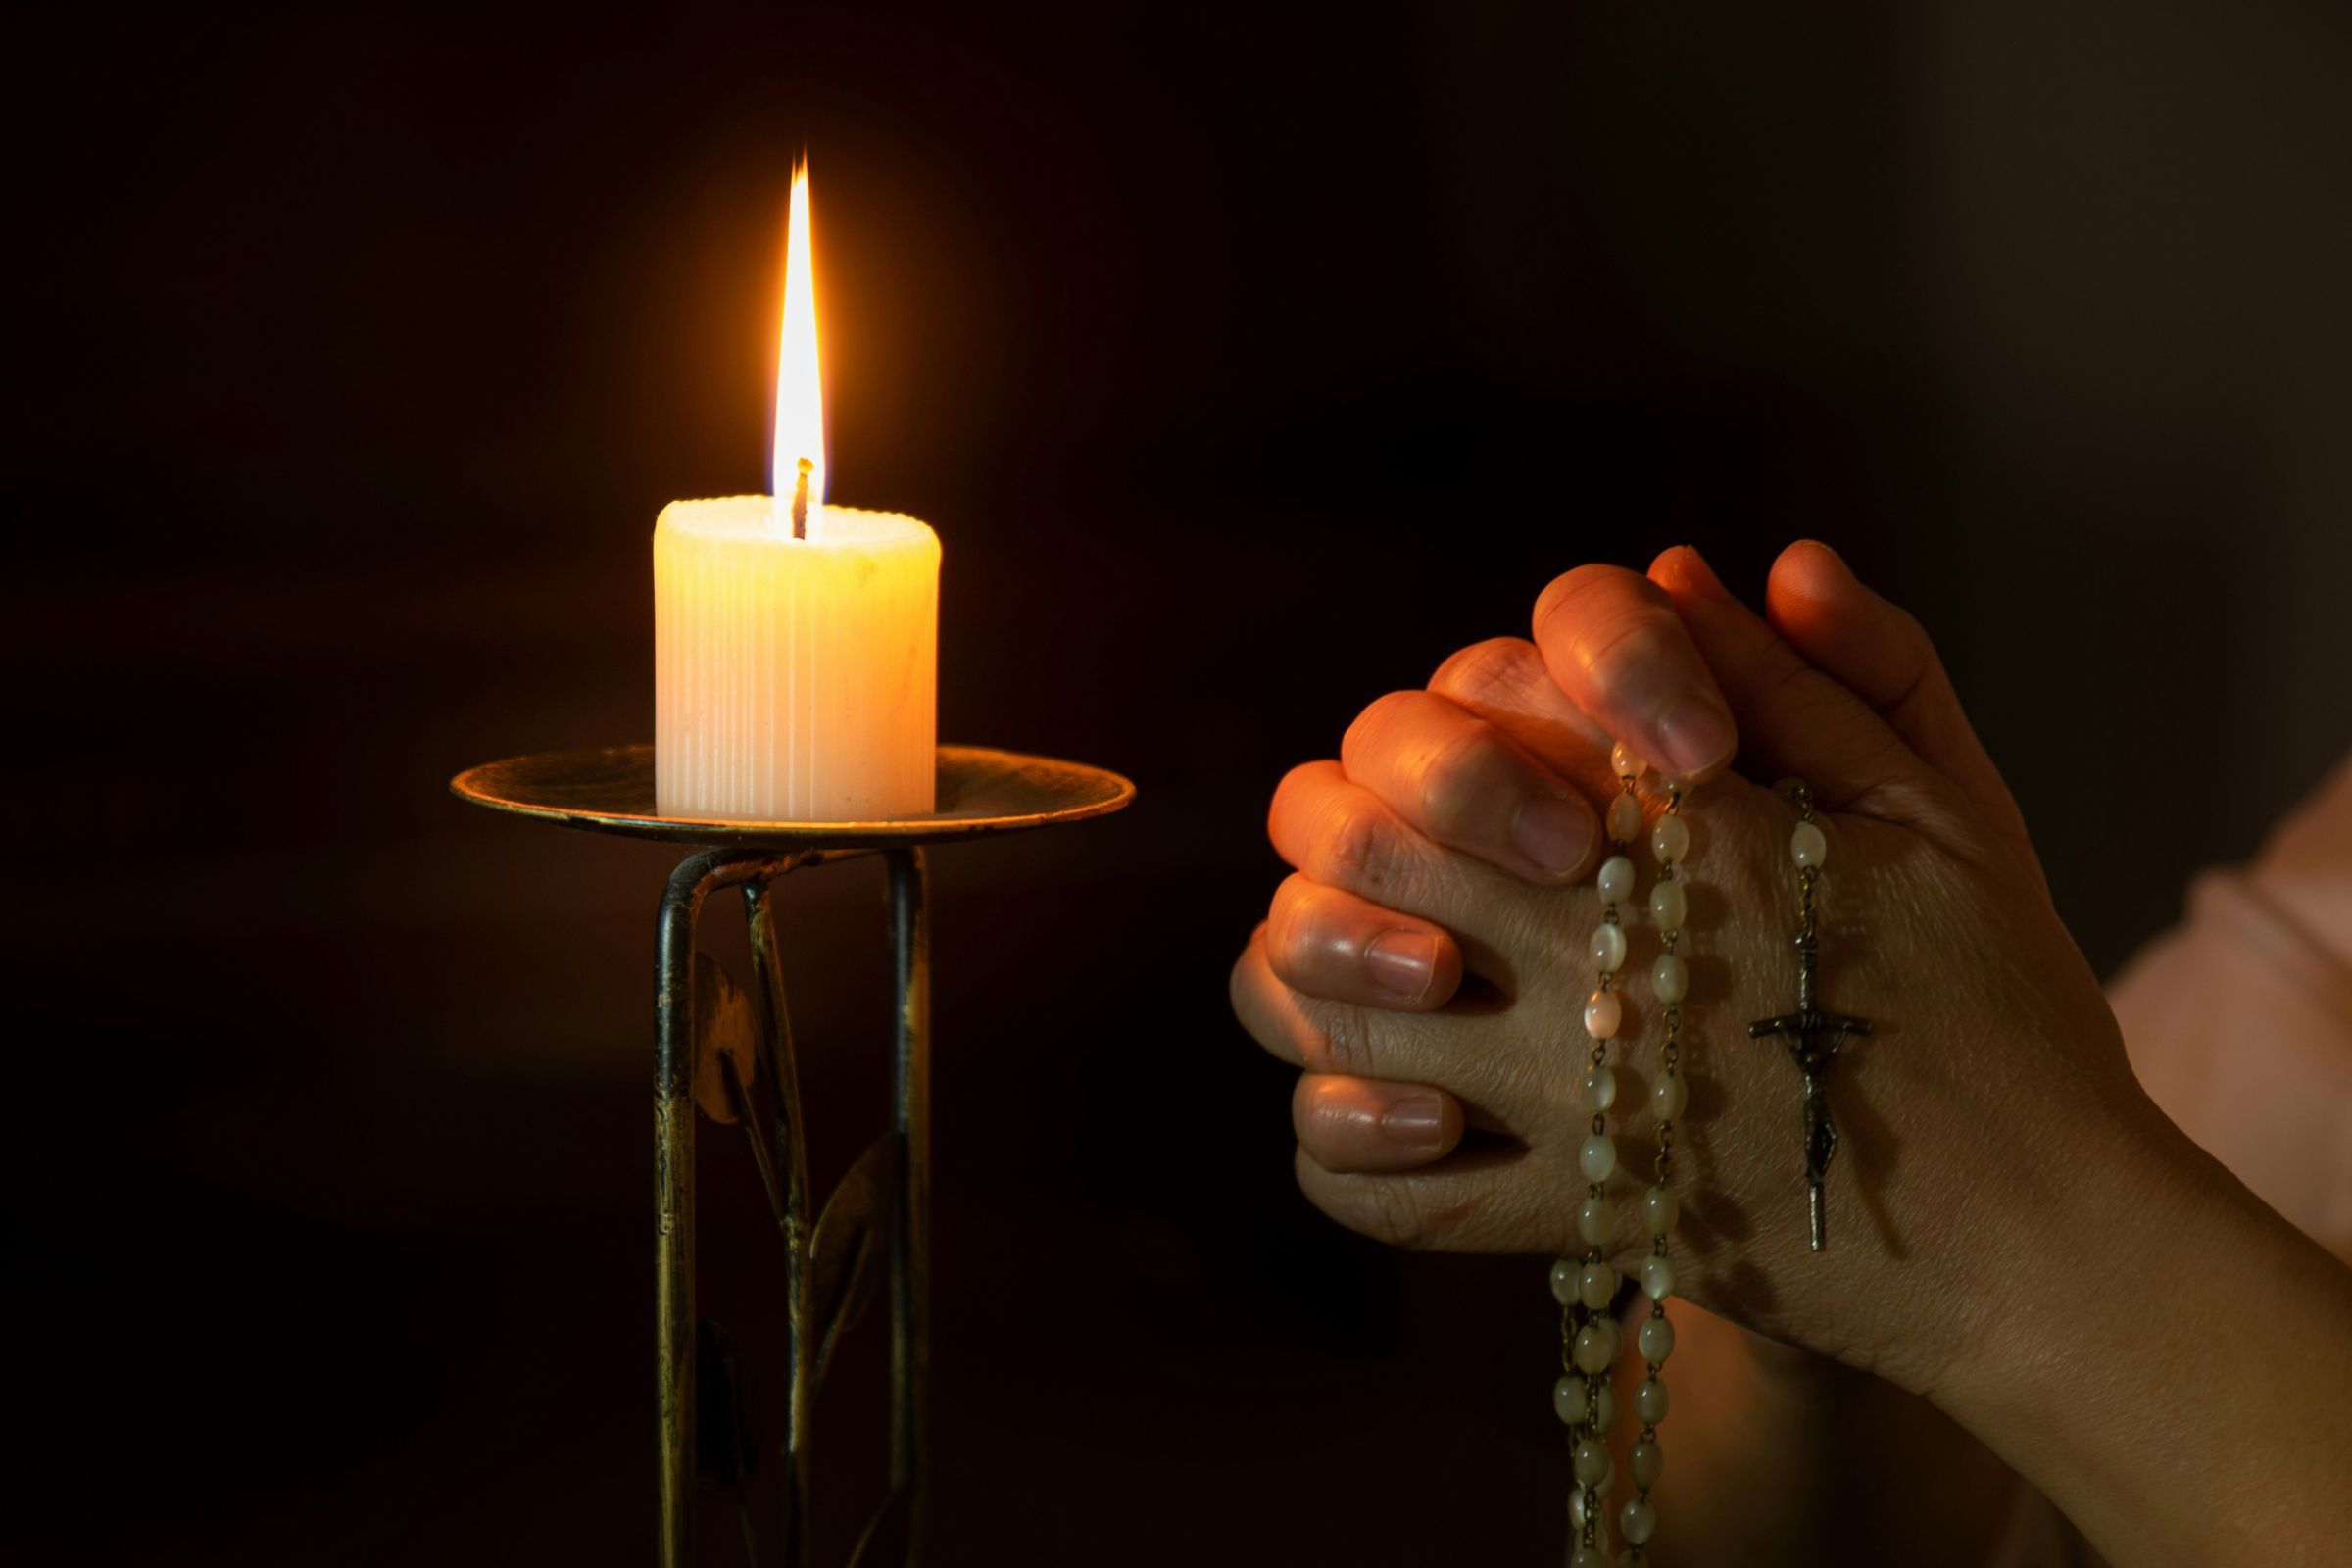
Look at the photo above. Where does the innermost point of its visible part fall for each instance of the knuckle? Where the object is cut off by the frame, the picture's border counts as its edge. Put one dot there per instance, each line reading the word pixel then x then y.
pixel 1457 782
pixel 1342 1042
pixel 1496 668
pixel 1378 724
pixel 1580 593
pixel 1627 647
pixel 1392 1211
pixel 1292 927
pixel 1355 845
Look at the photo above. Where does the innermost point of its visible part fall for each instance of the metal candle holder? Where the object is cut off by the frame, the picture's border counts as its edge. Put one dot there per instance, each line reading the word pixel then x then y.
pixel 709 1050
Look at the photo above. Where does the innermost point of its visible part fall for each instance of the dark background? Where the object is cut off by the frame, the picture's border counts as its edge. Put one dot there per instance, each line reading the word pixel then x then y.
pixel 1247 363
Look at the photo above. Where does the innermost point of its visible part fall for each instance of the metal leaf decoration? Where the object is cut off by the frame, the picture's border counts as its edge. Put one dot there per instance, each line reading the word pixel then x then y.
pixel 847 1255
pixel 725 1029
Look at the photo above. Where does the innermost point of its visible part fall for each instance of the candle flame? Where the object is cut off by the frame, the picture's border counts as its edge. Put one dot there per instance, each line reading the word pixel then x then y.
pixel 800 390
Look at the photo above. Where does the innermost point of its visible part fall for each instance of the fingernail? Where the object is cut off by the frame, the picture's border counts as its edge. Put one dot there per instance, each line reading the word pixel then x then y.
pixel 1553 834
pixel 1696 735
pixel 1417 1121
pixel 1403 962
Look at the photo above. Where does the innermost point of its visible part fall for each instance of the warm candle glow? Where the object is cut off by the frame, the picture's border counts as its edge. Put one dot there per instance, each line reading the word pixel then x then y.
pixel 800 390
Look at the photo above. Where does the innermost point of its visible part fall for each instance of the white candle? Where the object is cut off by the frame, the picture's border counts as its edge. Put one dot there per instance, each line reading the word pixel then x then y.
pixel 795 669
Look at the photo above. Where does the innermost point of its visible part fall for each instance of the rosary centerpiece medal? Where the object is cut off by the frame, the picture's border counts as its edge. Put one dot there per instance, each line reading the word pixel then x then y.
pixel 1812 1035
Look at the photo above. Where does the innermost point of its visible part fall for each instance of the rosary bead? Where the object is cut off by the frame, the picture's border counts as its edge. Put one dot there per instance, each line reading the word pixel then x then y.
pixel 1809 846
pixel 1649 1401
pixel 1608 947
pixel 1654 1339
pixel 1626 764
pixel 1604 1013
pixel 1669 905
pixel 1598 1091
pixel 1569 1402
pixel 1670 978
pixel 1586 1557
pixel 1596 1218
pixel 1597 1160
pixel 1592 1460
pixel 1564 1274
pixel 1596 1285
pixel 1576 1509
pixel 1590 1352
pixel 1660 1208
pixel 1647 1462
pixel 1668 1094
pixel 1625 819
pixel 1616 879
pixel 1657 1278
pixel 1613 1334
pixel 1639 1521
pixel 1670 839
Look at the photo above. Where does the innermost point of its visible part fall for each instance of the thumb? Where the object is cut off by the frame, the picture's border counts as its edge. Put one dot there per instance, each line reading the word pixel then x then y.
pixel 1876 651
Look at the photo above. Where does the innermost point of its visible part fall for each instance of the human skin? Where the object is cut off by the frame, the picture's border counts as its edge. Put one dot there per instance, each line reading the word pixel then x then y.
pixel 2017 1234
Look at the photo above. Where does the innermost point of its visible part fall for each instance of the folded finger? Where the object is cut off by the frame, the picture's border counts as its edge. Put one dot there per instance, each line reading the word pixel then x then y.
pixel 1362 1124
pixel 1467 784
pixel 1795 719
pixel 1329 943
pixel 1343 836
pixel 1495 1077
pixel 1615 646
pixel 1881 653
pixel 1503 681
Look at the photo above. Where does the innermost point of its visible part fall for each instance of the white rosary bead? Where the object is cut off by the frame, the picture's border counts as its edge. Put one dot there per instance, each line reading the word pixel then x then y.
pixel 1647 1462
pixel 1670 839
pixel 1595 1285
pixel 1670 978
pixel 1596 1218
pixel 1597 1160
pixel 1625 762
pixel 1657 1278
pixel 1668 1094
pixel 1639 1521
pixel 1649 1401
pixel 1592 1460
pixel 1809 846
pixel 1568 1400
pixel 1660 1208
pixel 1625 819
pixel 1608 947
pixel 1586 1557
pixel 1654 1339
pixel 1592 1350
pixel 1576 1509
pixel 1604 1013
pixel 1669 904
pixel 1565 1272
pixel 1616 879
pixel 1598 1091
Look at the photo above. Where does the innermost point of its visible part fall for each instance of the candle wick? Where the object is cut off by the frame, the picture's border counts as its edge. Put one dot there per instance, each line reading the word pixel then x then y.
pixel 800 501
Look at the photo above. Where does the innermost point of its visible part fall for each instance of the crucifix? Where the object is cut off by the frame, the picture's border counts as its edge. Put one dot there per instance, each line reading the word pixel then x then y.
pixel 1813 1038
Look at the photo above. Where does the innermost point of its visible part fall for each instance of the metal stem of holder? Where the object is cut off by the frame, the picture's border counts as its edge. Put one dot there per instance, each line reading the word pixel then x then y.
pixel 711 1051
pixel 828 1262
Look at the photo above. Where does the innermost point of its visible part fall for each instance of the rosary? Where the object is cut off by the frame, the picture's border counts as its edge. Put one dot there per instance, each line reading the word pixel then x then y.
pixel 1587 1287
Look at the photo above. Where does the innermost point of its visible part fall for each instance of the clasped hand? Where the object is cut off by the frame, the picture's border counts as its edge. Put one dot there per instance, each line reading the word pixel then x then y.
pixel 1428 963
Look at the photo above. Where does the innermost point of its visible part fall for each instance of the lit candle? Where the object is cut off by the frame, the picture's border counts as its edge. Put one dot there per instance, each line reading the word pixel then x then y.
pixel 795 642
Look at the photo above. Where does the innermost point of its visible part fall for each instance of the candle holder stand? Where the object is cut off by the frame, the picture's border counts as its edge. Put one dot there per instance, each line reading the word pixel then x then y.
pixel 712 1048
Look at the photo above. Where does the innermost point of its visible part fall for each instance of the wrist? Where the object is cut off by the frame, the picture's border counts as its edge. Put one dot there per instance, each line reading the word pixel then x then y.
pixel 2097 1377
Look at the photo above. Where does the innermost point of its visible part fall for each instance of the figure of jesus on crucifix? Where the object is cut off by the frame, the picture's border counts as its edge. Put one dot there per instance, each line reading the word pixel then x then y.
pixel 1814 1038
